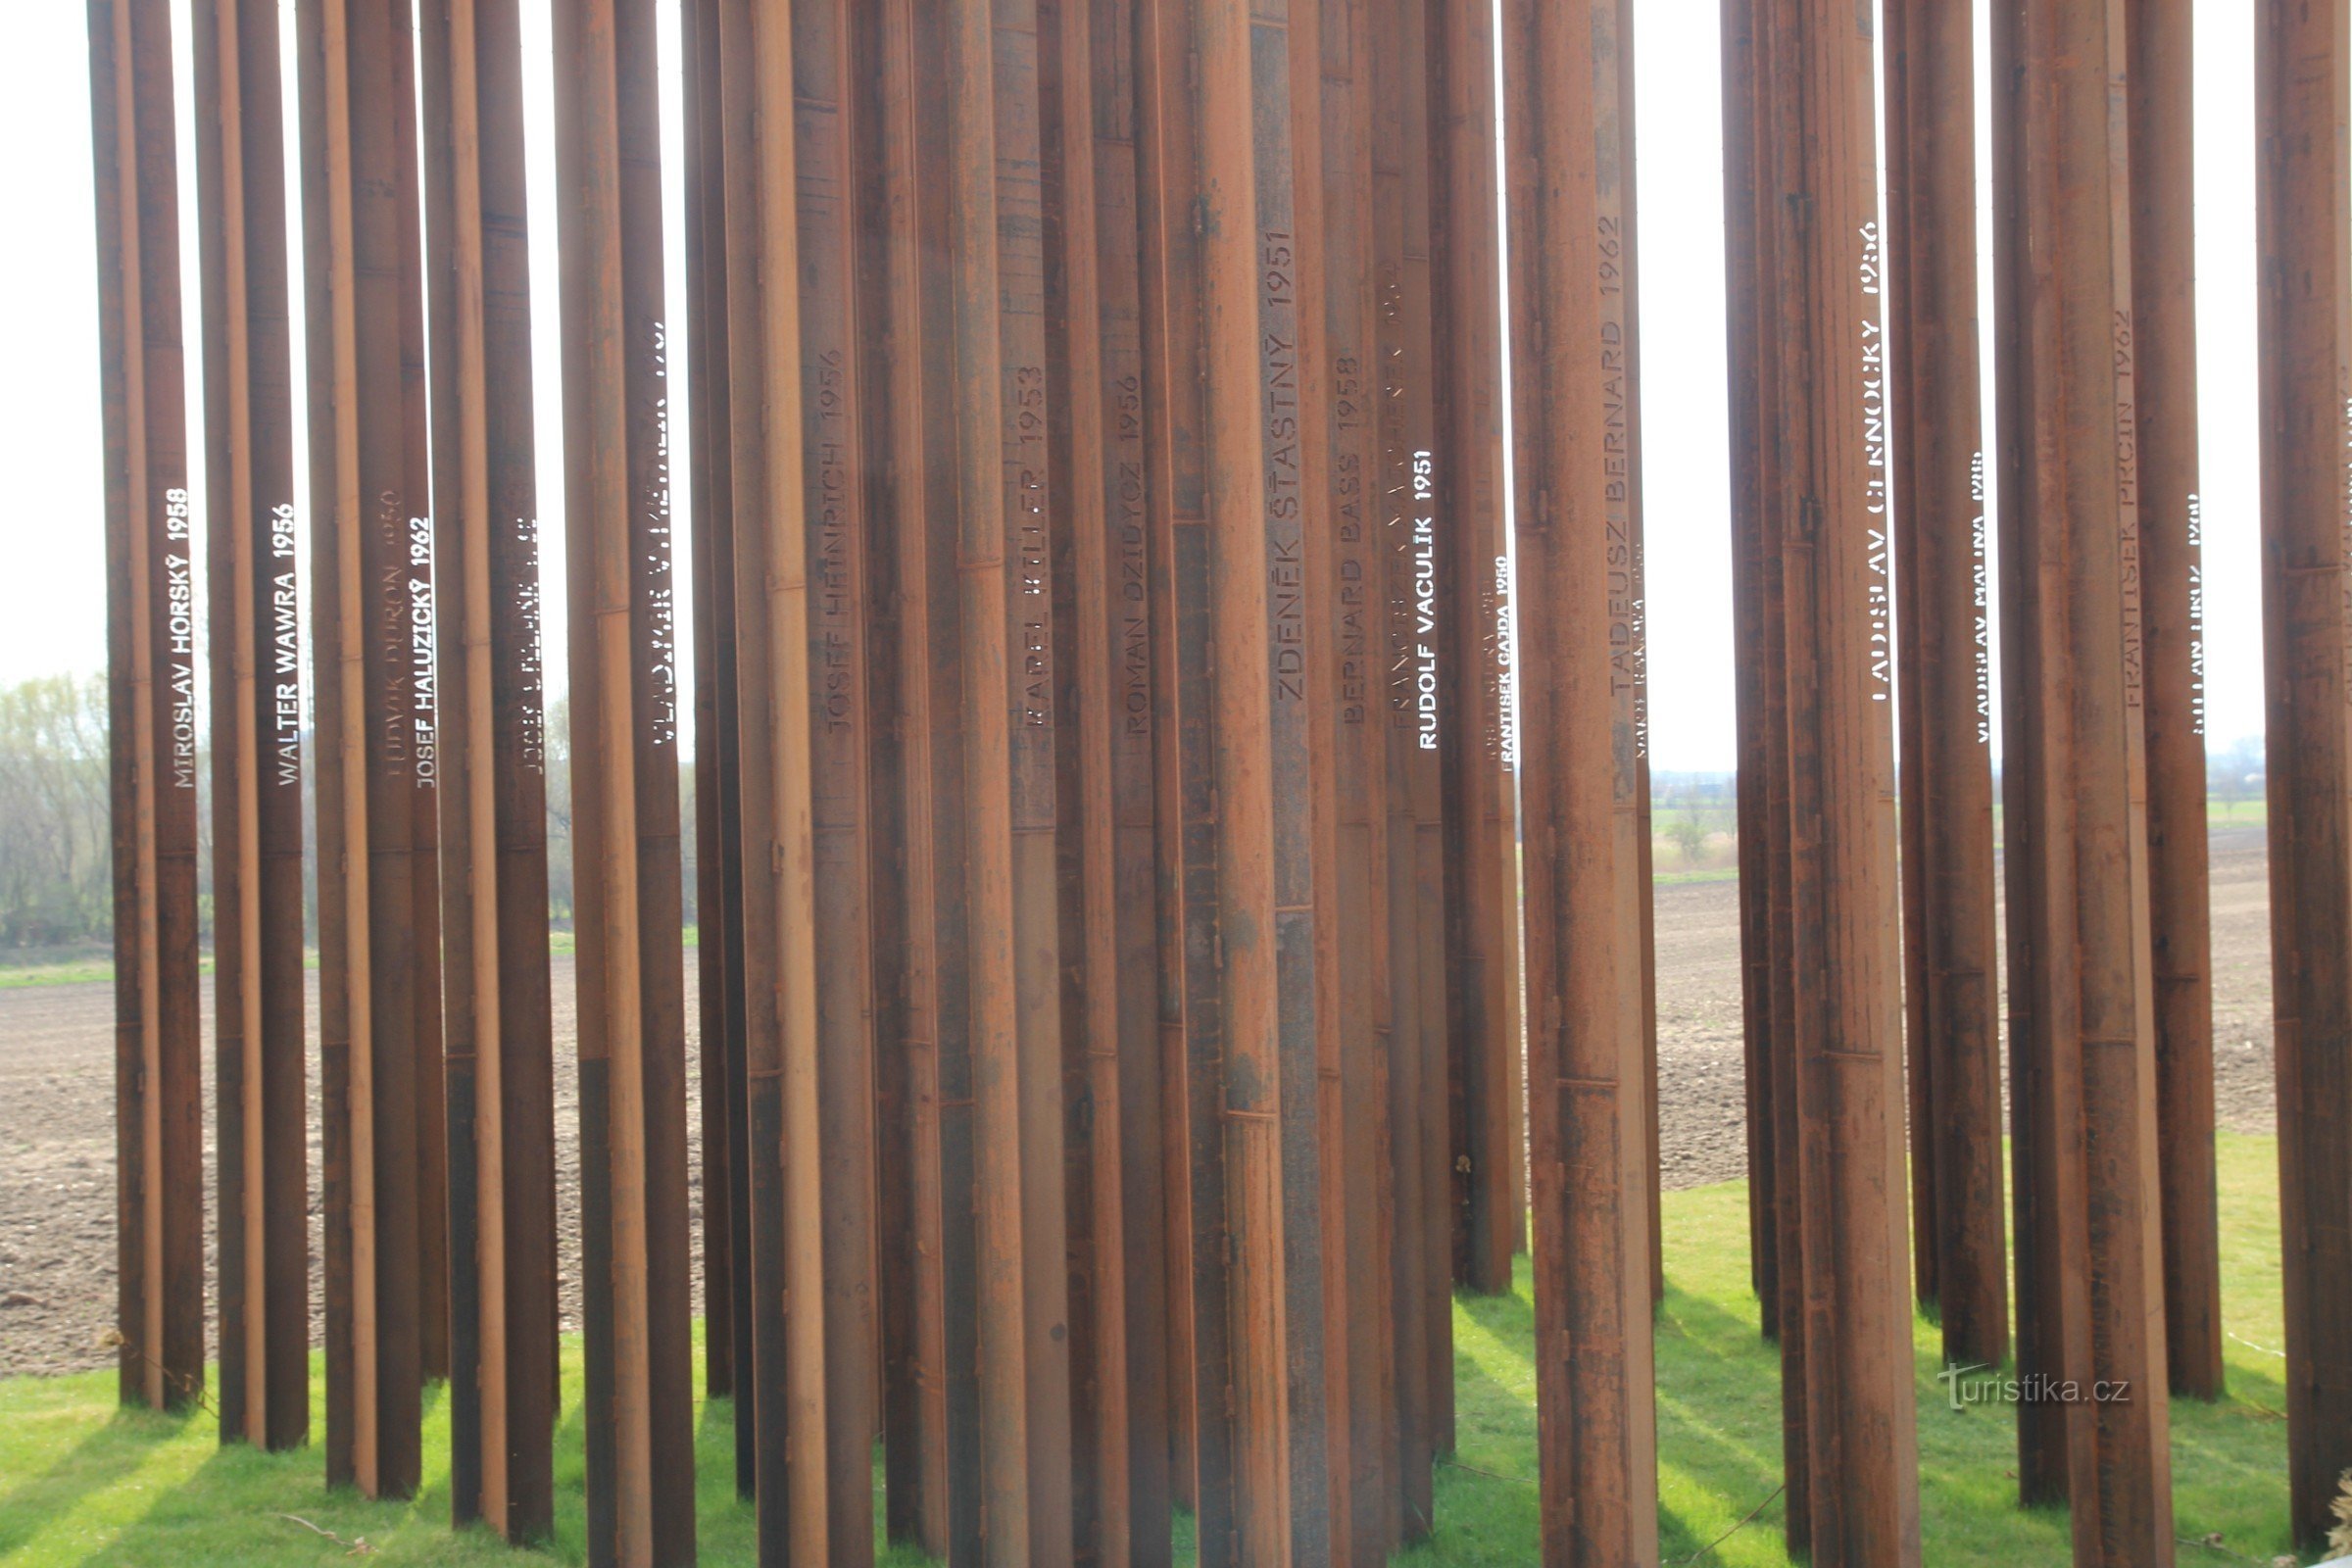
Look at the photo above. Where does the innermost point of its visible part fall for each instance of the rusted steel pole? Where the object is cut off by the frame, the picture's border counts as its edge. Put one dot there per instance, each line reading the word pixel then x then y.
pixel 832 497
pixel 1752 127
pixel 1848 1389
pixel 1295 359
pixel 625 781
pixel 931 1466
pixel 499 1029
pixel 1605 323
pixel 2159 69
pixel 1943 672
pixel 1752 681
pixel 1187 802
pixel 2305 90
pixel 257 722
pixel 151 709
pixel 1570 303
pixel 2083 1059
pixel 1419 1121
pixel 718 750
pixel 780 1117
pixel 1102 620
pixel 901 935
pixel 996 287
pixel 1644 838
pixel 371 567
pixel 1473 584
pixel 423 800
pixel 1354 571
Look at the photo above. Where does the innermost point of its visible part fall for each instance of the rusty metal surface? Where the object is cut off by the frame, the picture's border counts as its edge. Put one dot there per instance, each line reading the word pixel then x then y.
pixel 2304 84
pixel 499 1025
pixel 1838 1137
pixel 1357 853
pixel 1110 766
pixel 1942 598
pixel 2083 1059
pixel 2159 72
pixel 832 498
pixel 151 704
pixel 1482 930
pixel 264 1285
pixel 1586 1065
pixel 625 781
pixel 378 759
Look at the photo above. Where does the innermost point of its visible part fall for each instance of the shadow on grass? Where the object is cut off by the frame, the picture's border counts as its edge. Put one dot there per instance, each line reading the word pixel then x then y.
pixel 100 1460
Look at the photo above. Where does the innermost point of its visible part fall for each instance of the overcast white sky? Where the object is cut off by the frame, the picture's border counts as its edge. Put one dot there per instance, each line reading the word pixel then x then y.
pixel 52 604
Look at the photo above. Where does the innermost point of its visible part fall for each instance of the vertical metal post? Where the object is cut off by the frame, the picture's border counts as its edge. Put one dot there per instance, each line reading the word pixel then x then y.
pixel 372 552
pixel 1596 1438
pixel 2158 72
pixel 151 704
pixel 498 1031
pixel 997 282
pixel 625 779
pixel 2304 88
pixel 1110 931
pixel 257 722
pixel 1354 575
pixel 1286 52
pixel 1847 1383
pixel 1945 674
pixel 1750 678
pixel 1417 894
pixel 718 750
pixel 832 499
pixel 774 621
pixel 933 1459
pixel 1188 805
pixel 1474 582
pixel 2074 778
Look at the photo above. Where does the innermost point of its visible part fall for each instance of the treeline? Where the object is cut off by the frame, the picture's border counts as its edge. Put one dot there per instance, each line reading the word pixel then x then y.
pixel 56 860
pixel 56 857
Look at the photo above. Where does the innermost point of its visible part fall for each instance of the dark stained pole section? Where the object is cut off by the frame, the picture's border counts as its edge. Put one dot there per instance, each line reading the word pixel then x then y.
pixel 372 552
pixel 1186 802
pixel 1943 667
pixel 1847 1385
pixel 1104 697
pixel 1596 1436
pixel 1286 144
pixel 832 501
pixel 718 747
pixel 1275 1496
pixel 257 720
pixel 1602 318
pixel 499 1025
pixel 2074 779
pixel 789 1372
pixel 931 1463
pixel 2304 86
pixel 997 326
pixel 1407 521
pixel 626 780
pixel 1482 909
pixel 2172 555
pixel 1354 571
pixel 151 709
pixel 1752 682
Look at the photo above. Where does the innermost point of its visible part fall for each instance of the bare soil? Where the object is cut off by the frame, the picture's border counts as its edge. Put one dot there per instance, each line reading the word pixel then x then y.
pixel 56 1169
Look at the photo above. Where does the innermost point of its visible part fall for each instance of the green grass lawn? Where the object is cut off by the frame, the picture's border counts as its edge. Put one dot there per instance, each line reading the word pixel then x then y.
pixel 83 1485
